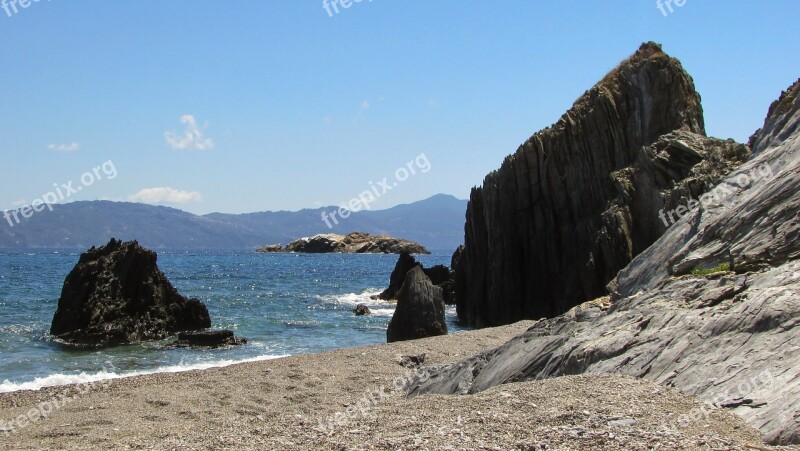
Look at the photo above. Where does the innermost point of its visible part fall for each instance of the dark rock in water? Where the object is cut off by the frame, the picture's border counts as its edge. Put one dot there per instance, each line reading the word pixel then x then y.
pixel 405 263
pixel 209 339
pixel 354 243
pixel 361 310
pixel 420 309
pixel 116 294
pixel 269 248
pixel 449 289
pixel 731 338
pixel 439 275
pixel 580 199
pixel 444 278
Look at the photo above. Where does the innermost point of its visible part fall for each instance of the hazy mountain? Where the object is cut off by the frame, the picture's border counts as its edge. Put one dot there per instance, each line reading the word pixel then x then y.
pixel 437 223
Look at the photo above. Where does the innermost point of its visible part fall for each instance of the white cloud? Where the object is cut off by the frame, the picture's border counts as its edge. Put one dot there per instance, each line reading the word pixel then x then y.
pixel 19 203
pixel 364 107
pixel 71 147
pixel 191 138
pixel 165 195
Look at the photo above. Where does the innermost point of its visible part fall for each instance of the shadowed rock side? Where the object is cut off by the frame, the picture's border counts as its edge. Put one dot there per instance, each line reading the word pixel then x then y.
pixel 420 309
pixel 537 239
pixel 730 338
pixel 353 243
pixel 116 294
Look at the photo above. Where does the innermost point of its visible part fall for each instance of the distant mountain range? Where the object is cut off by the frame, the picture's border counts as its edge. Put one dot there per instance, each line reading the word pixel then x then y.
pixel 436 222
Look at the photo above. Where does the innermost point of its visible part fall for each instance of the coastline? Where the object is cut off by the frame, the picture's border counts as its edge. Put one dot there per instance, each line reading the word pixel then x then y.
pixel 301 402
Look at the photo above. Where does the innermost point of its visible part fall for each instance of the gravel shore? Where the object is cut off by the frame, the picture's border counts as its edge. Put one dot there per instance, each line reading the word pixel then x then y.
pixel 346 399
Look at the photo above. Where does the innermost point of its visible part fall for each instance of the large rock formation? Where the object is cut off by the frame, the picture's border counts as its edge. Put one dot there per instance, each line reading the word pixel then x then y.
pixel 731 338
pixel 580 199
pixel 353 243
pixel 420 309
pixel 439 275
pixel 116 294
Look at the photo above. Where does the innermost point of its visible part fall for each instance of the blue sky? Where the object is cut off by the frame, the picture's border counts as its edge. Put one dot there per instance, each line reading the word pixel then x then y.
pixel 276 105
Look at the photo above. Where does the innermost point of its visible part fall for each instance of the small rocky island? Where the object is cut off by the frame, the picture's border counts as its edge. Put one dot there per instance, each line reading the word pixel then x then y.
pixel 116 294
pixel 353 243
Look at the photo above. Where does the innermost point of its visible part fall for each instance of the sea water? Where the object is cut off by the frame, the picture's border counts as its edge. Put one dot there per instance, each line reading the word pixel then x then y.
pixel 284 304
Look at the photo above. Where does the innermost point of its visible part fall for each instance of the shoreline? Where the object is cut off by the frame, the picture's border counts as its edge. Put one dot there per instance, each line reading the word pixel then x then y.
pixel 345 398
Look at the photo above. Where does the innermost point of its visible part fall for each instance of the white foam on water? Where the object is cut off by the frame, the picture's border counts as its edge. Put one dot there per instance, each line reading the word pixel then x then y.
pixel 378 307
pixel 382 311
pixel 55 380
pixel 353 299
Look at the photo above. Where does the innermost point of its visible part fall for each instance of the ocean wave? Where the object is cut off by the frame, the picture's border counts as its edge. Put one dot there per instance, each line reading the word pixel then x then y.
pixel 55 380
pixel 382 311
pixel 301 324
pixel 354 299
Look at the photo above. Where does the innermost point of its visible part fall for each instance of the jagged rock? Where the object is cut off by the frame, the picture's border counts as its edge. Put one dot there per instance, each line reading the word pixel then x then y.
pixel 439 275
pixel 667 178
pixel 116 294
pixel 732 338
pixel 361 310
pixel 209 339
pixel 354 243
pixel 405 263
pixel 579 200
pixel 753 226
pixel 420 309
pixel 269 248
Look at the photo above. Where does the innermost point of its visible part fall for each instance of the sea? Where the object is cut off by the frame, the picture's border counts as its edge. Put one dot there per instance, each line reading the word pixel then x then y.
pixel 284 304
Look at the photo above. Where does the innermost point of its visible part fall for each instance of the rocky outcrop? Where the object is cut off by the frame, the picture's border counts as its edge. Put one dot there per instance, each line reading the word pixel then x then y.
pixel 354 243
pixel 361 310
pixel 405 263
pixel 420 309
pixel 580 199
pixel 439 275
pixel 208 339
pixel 269 248
pixel 116 294
pixel 732 338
